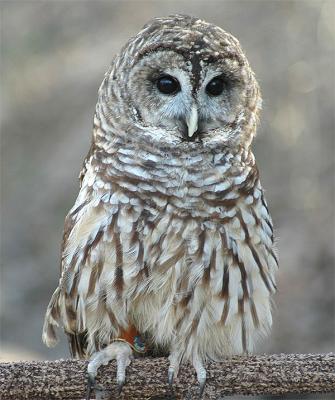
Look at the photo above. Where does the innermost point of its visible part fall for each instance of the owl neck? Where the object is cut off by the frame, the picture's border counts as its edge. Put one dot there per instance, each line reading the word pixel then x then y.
pixel 170 172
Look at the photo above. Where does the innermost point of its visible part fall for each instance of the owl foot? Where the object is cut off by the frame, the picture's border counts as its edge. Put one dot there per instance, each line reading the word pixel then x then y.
pixel 119 351
pixel 175 360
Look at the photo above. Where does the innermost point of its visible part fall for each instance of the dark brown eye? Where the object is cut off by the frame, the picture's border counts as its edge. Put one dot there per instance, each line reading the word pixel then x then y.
pixel 215 87
pixel 168 84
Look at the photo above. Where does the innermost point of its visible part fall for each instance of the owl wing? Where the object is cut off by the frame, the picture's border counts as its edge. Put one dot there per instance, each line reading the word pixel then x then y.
pixel 82 259
pixel 250 263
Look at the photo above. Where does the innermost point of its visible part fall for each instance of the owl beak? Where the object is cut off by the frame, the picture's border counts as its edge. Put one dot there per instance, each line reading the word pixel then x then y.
pixel 192 121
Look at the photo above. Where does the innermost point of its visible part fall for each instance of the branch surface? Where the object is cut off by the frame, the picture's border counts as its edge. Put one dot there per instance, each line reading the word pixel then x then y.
pixel 147 377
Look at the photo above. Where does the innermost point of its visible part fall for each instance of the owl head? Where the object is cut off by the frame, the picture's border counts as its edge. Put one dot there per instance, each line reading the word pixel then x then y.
pixel 181 82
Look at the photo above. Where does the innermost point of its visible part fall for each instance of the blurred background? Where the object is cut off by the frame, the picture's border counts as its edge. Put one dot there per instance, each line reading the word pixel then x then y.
pixel 53 58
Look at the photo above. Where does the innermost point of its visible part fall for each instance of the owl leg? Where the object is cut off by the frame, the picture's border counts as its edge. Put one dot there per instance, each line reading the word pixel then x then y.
pixel 119 351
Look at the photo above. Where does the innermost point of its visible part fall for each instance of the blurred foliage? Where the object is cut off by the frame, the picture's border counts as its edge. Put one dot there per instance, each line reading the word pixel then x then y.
pixel 53 57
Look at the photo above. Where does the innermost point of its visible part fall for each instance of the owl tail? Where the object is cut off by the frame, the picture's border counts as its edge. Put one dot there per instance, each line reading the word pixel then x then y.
pixel 51 319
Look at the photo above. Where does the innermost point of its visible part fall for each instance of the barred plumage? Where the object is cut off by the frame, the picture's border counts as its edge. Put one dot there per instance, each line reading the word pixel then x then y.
pixel 170 234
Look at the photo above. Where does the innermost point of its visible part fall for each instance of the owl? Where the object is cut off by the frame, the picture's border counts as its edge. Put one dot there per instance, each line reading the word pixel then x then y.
pixel 170 242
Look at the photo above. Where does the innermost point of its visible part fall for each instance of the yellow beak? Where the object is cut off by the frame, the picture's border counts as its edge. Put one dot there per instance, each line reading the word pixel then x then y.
pixel 192 121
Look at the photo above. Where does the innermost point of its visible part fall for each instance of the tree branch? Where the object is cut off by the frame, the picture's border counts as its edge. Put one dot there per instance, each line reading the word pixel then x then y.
pixel 146 377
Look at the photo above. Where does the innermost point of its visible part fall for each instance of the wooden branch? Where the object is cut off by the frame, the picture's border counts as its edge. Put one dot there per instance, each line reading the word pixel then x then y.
pixel 146 377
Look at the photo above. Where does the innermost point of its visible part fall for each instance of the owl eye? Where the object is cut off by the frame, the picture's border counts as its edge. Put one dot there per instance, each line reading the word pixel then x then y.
pixel 215 86
pixel 168 84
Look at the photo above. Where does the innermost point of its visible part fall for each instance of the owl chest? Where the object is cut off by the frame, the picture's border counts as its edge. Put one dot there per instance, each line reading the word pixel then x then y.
pixel 175 226
pixel 186 237
pixel 173 252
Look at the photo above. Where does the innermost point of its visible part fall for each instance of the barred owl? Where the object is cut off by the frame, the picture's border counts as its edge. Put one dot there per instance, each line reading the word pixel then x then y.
pixel 170 241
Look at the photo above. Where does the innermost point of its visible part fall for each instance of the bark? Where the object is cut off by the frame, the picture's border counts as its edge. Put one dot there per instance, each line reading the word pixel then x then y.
pixel 146 378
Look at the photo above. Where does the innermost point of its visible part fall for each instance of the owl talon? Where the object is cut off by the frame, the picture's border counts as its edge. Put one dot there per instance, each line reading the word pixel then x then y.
pixel 175 359
pixel 202 388
pixel 170 381
pixel 93 386
pixel 90 385
pixel 201 374
pixel 119 388
pixel 170 377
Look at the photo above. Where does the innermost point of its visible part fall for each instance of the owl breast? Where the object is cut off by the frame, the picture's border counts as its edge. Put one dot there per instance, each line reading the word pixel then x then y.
pixel 184 250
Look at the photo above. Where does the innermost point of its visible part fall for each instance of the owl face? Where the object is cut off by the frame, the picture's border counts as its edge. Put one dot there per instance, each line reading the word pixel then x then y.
pixel 186 83
pixel 189 102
